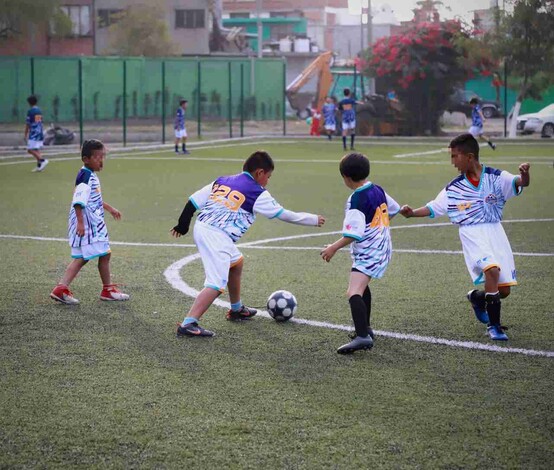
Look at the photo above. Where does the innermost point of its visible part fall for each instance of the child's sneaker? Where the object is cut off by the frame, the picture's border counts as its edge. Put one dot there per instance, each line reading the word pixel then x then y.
pixel 357 344
pixel 480 312
pixel 62 294
pixel 186 152
pixel 244 313
pixel 192 329
pixel 111 292
pixel 369 332
pixel 496 333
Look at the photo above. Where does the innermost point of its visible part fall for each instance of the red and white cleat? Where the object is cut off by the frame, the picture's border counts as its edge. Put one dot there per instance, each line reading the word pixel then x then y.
pixel 62 294
pixel 111 292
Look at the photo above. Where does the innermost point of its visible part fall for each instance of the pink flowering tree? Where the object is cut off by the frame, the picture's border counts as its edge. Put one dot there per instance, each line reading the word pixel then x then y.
pixel 423 65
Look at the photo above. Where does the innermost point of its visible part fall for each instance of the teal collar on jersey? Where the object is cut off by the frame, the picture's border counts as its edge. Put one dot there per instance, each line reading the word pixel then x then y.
pixel 246 173
pixel 480 179
pixel 369 184
pixel 88 169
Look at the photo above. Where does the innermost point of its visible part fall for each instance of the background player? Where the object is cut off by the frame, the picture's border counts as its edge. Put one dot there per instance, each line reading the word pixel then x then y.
pixel 329 117
pixel 348 108
pixel 228 207
pixel 180 130
pixel 475 201
pixel 34 135
pixel 366 230
pixel 477 121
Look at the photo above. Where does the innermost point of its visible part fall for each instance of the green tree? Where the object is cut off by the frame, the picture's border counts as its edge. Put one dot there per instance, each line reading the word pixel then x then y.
pixel 141 30
pixel 18 16
pixel 525 40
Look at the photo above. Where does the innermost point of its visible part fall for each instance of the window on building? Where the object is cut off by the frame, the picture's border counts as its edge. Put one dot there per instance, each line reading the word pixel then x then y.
pixel 80 19
pixel 279 31
pixel 190 19
pixel 108 17
pixel 239 15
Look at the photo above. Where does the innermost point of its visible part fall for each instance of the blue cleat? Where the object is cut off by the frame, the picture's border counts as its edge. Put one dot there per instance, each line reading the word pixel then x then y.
pixel 192 329
pixel 357 344
pixel 496 333
pixel 245 313
pixel 480 312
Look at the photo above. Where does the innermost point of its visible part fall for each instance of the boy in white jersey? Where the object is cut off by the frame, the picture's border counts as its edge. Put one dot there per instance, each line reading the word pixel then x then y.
pixel 88 235
pixel 228 207
pixel 474 201
pixel 366 230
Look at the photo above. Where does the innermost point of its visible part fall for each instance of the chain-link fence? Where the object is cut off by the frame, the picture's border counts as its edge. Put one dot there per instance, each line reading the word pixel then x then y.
pixel 135 99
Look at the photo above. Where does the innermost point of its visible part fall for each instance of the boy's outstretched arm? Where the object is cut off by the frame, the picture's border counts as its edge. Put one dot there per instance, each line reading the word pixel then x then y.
pixel 524 177
pixel 301 218
pixel 183 225
pixel 408 212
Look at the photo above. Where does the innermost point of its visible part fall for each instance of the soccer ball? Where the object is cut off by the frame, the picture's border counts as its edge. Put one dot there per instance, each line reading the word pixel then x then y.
pixel 282 305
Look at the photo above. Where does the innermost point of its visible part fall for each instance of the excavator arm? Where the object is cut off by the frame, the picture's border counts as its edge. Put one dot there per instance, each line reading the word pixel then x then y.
pixel 320 66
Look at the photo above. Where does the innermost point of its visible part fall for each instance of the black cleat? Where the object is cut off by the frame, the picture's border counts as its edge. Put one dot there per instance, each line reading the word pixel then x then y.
pixel 244 313
pixel 357 344
pixel 192 329
pixel 369 332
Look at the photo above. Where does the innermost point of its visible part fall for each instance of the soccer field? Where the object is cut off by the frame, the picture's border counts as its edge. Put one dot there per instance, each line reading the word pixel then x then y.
pixel 107 384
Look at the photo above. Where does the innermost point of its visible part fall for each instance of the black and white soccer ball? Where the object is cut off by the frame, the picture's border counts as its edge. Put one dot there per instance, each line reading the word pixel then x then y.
pixel 282 305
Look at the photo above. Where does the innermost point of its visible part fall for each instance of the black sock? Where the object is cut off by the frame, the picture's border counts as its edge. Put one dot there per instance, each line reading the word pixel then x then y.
pixel 367 301
pixel 176 147
pixel 493 307
pixel 184 147
pixel 329 136
pixel 478 298
pixel 359 315
pixel 352 137
pixel 344 141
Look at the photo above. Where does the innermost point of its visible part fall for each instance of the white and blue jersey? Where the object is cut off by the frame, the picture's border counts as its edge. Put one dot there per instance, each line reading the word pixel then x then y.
pixel 231 203
pixel 347 106
pixel 34 121
pixel 476 120
pixel 88 195
pixel 466 204
pixel 367 214
pixel 328 112
pixel 179 119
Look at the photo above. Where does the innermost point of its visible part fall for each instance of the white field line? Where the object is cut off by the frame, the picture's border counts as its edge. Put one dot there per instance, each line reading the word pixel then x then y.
pixel 172 275
pixel 418 154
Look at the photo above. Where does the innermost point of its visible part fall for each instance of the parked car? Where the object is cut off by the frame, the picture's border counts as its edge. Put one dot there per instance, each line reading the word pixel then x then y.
pixel 459 101
pixel 542 122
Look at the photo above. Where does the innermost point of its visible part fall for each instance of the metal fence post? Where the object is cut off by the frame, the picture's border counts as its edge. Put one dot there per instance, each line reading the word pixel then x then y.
pixel 199 99
pixel 284 96
pixel 163 101
pixel 124 114
pixel 32 75
pixel 230 103
pixel 242 100
pixel 80 91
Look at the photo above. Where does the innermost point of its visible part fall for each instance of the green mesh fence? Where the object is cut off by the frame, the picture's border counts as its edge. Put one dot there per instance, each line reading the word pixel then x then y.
pixel 213 87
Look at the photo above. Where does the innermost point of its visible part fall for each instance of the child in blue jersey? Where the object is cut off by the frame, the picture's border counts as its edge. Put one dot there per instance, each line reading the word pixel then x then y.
pixel 475 201
pixel 348 108
pixel 477 121
pixel 228 207
pixel 179 125
pixel 34 135
pixel 88 235
pixel 329 118
pixel 366 229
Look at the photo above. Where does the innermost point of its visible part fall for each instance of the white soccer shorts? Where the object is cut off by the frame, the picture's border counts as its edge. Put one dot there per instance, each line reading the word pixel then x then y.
pixel 180 133
pixel 486 246
pixel 218 253
pixel 88 252
pixel 34 144
pixel 348 125
pixel 476 131
pixel 330 127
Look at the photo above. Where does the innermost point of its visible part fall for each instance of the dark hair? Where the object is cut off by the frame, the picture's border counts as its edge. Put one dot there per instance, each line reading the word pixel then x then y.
pixel 355 166
pixel 89 146
pixel 259 159
pixel 467 144
pixel 474 100
pixel 182 101
pixel 32 100
pixel 346 91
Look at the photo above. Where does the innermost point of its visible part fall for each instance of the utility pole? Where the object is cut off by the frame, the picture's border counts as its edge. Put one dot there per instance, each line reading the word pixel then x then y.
pixel 259 25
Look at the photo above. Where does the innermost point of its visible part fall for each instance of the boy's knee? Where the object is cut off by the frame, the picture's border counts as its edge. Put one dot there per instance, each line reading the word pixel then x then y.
pixel 504 291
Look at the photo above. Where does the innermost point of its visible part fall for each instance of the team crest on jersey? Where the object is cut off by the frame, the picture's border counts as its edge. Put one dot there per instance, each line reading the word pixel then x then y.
pixel 491 199
pixel 463 206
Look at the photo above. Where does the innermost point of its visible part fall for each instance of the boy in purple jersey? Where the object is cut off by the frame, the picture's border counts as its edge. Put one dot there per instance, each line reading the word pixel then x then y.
pixel 88 235
pixel 475 201
pixel 366 229
pixel 228 207
pixel 34 135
